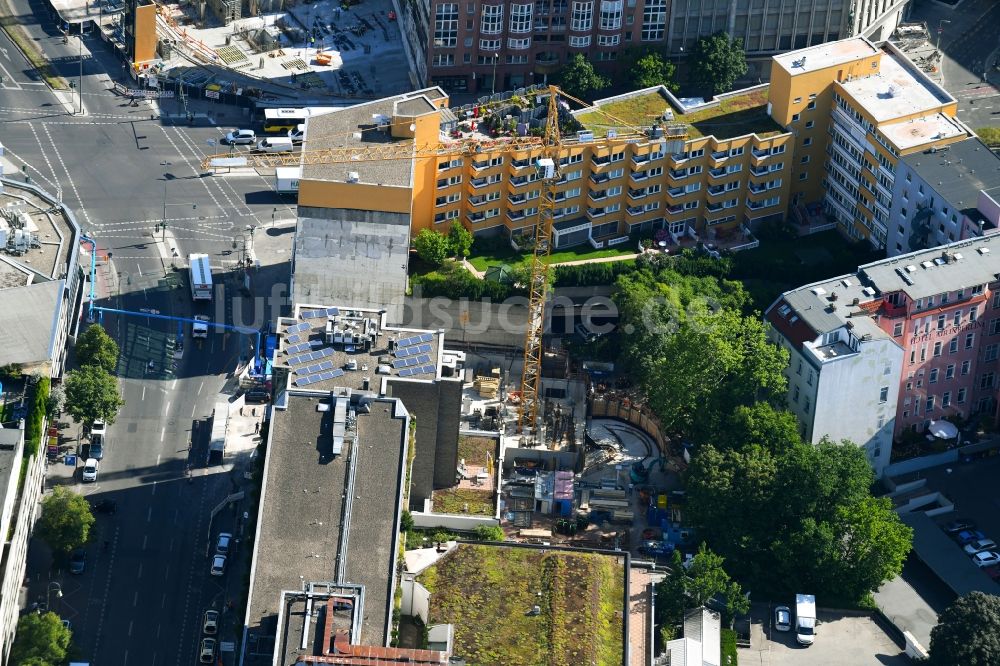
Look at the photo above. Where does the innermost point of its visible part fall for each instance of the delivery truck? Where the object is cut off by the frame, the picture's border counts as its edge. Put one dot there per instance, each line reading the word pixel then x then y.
pixel 217 444
pixel 805 618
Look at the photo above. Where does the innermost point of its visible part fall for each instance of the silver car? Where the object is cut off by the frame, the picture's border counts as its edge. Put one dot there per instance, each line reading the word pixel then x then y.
pixel 241 136
pixel 782 618
pixel 218 565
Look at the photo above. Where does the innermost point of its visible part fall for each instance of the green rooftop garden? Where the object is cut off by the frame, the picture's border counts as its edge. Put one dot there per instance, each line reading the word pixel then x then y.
pixel 487 592
pixel 732 117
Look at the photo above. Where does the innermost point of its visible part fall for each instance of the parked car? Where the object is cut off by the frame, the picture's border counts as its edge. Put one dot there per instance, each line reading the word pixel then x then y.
pixel 993 572
pixel 78 561
pixel 210 624
pixel 782 618
pixel 987 558
pixel 90 469
pixel 206 653
pixel 956 526
pixel 968 536
pixel 218 565
pixel 980 545
pixel 98 430
pixel 222 545
pixel 256 396
pixel 107 506
pixel 240 136
pixel 96 449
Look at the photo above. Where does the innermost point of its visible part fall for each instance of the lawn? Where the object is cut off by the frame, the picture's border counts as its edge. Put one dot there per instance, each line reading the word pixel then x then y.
pixel 783 263
pixel 728 647
pixel 454 500
pixel 732 117
pixel 486 592
pixel 475 449
pixel 495 257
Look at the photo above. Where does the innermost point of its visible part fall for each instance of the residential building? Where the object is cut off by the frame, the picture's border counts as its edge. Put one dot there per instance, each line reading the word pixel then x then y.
pixel 17 520
pixel 941 196
pixel 486 46
pixel 843 369
pixel 701 642
pixel 721 168
pixel 855 109
pixel 929 323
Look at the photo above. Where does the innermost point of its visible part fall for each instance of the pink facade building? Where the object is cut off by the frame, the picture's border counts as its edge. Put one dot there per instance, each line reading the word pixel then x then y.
pixel 900 343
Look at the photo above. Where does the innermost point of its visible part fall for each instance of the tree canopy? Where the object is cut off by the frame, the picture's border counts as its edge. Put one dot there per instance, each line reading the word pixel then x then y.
pixel 694 585
pixel 431 246
pixel 797 516
pixel 968 632
pixel 91 393
pixel 96 347
pixel 579 79
pixel 40 639
pixel 717 62
pixel 66 520
pixel 460 239
pixel 648 68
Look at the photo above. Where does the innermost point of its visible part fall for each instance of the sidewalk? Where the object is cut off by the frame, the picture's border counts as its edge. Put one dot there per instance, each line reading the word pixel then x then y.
pixel 596 260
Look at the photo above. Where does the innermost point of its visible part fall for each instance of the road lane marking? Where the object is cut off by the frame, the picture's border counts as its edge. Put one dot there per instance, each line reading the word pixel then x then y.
pixel 135 599
pixel 200 387
pixel 143 398
pixel 162 431
pixel 154 482
pixel 173 385
pixel 139 575
pixel 193 410
pixel 144 538
pixel 138 268
pixel 157 464
pixel 168 407
pixel 130 622
pixel 126 656
pixel 149 515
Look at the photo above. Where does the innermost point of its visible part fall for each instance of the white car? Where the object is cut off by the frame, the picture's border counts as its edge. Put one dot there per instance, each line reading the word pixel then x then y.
pixel 986 558
pixel 218 565
pixel 90 469
pixel 98 430
pixel 980 545
pixel 210 625
pixel 297 135
pixel 199 329
pixel 241 136
pixel 206 653
pixel 782 618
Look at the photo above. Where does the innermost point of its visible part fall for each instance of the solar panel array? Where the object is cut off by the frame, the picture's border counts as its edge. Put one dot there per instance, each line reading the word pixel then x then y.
pixel 312 356
pixel 301 347
pixel 319 377
pixel 312 314
pixel 293 339
pixel 407 372
pixel 413 360
pixel 416 339
pixel 304 326
pixel 411 351
pixel 314 368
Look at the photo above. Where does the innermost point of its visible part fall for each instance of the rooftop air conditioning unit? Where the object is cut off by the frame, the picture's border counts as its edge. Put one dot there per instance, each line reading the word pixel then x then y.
pixel 353 176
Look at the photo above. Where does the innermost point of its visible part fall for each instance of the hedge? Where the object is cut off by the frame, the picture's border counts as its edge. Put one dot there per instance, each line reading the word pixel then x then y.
pixel 36 417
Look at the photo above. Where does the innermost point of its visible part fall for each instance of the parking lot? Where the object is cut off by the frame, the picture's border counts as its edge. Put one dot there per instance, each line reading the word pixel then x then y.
pixel 841 639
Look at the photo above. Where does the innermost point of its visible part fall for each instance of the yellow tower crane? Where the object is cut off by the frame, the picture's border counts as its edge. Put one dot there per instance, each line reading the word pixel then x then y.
pixel 549 147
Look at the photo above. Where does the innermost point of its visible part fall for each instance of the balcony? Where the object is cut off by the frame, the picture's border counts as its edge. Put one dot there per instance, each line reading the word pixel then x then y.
pixel 598 196
pixel 476 218
pixel 521 164
pixel 516 199
pixel 679 174
pixel 716 190
pixel 598 178
pixel 601 162
pixel 518 181
pixel 676 191
pixel 757 188
pixel 638 193
pixel 516 215
pixel 479 201
pixel 762 171
pixel 639 176
pixel 680 157
pixel 761 154
pixel 757 205
pixel 595 212
pixel 717 173
pixel 480 182
pixel 720 155
pixel 635 210
pixel 713 207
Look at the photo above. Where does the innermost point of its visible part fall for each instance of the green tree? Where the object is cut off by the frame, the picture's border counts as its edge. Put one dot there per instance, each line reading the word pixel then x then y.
pixel 406 521
pixel 649 68
pixel 40 639
pixel 579 79
pixel 703 579
pixel 760 423
pixel 717 62
pixel 91 393
pixel 968 632
pixel 432 246
pixel 489 533
pixel 460 239
pixel 96 347
pixel 66 520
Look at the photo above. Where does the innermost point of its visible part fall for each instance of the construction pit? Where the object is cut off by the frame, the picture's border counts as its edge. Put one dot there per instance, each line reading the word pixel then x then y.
pixel 320 50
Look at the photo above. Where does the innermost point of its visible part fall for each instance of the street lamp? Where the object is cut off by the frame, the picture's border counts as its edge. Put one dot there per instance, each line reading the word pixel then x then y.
pixel 496 56
pixel 162 225
pixel 940 30
pixel 79 86
pixel 273 212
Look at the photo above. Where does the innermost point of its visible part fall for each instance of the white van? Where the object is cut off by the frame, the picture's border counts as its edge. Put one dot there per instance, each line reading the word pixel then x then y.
pixel 298 134
pixel 275 144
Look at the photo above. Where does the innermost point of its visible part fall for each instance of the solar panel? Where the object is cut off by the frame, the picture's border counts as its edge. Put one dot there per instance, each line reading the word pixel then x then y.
pixel 423 358
pixel 337 373
pixel 326 365
pixel 426 337
pixel 428 368
pixel 406 372
pixel 403 342
pixel 303 381
pixel 315 344
pixel 295 349
pixel 326 375
pixel 425 348
pixel 323 353
pixel 293 339
pixel 401 353
pixel 304 326
pixel 332 311
pixel 399 363
pixel 313 368
pixel 311 314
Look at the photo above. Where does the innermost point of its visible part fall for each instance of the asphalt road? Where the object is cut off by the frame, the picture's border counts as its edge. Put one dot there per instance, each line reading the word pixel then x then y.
pixel 141 599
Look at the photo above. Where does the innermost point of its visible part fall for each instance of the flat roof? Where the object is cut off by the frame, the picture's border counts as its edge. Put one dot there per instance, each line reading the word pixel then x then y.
pixel 360 337
pixel 309 497
pixel 29 332
pixel 355 257
pixel 733 116
pixel 959 171
pixel 928 273
pixel 921 131
pixel 896 90
pixel 825 55
pixel 356 127
pixel 945 558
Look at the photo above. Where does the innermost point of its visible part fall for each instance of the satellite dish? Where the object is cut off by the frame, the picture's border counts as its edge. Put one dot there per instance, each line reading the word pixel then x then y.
pixel 413 127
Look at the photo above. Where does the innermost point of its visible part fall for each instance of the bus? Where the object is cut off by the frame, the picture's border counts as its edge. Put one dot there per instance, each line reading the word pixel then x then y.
pixel 201 277
pixel 282 120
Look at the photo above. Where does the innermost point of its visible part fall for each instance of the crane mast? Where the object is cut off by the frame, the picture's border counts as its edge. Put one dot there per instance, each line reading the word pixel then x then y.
pixel 531 376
